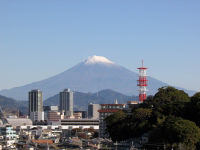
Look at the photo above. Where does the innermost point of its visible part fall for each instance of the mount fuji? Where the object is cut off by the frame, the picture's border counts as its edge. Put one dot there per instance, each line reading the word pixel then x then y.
pixel 91 75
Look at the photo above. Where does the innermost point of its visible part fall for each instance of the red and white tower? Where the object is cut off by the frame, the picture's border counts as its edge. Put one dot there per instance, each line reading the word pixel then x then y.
pixel 142 83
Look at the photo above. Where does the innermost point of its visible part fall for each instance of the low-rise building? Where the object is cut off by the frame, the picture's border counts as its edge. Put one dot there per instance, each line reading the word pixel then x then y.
pixel 19 121
pixel 83 113
pixel 53 116
pixel 77 115
pixel 49 108
pixel 81 123
pixel 8 132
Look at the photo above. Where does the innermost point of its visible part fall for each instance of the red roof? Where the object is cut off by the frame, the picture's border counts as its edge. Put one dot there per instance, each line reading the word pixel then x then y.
pixel 142 68
pixel 43 141
pixel 112 104
pixel 46 130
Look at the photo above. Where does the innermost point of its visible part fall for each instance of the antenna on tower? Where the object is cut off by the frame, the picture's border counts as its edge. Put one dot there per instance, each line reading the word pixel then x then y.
pixel 142 63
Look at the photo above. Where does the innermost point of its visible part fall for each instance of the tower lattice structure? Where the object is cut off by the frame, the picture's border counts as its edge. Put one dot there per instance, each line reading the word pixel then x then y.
pixel 142 83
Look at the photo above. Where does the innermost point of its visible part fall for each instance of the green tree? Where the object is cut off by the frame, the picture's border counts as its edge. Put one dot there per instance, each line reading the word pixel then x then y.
pixel 142 113
pixel 192 110
pixel 170 94
pixel 168 101
pixel 165 116
pixel 121 126
pixel 115 126
pixel 117 116
pixel 178 133
pixel 140 122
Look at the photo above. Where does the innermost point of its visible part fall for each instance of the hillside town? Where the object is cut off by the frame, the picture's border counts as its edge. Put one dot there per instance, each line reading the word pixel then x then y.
pixel 57 127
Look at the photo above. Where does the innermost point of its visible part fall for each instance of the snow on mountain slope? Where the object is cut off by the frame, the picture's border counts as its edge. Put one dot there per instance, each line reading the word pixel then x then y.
pixel 97 59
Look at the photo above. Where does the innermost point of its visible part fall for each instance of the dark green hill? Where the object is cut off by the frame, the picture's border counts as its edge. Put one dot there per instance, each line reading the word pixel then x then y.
pixel 10 105
pixel 81 100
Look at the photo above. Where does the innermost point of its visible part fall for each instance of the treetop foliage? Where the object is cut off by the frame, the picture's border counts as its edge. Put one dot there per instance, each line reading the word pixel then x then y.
pixel 170 94
pixel 170 116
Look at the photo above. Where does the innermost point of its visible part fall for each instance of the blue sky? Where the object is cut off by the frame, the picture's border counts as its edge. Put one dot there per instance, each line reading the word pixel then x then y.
pixel 39 39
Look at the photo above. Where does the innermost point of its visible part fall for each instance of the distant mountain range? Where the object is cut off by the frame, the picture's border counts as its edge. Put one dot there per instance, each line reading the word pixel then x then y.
pixel 94 74
pixel 81 100
pixel 12 106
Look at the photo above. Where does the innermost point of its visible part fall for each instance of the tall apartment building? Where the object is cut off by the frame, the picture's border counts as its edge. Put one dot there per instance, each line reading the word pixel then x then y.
pixel 93 111
pixel 36 105
pixel 107 110
pixel 66 102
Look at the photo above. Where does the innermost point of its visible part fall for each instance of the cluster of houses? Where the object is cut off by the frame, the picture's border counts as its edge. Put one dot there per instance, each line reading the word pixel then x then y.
pixel 58 126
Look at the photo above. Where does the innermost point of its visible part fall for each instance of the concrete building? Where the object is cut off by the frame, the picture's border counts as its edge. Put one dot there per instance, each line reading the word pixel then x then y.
pixel 93 111
pixel 83 113
pixel 37 116
pixel 19 121
pixel 49 108
pixel 66 102
pixel 36 105
pixel 53 116
pixel 80 123
pixel 8 132
pixel 107 110
pixel 77 115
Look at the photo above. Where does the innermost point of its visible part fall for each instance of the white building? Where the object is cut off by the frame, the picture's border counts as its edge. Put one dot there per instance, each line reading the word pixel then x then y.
pixel 8 133
pixel 37 116
pixel 19 121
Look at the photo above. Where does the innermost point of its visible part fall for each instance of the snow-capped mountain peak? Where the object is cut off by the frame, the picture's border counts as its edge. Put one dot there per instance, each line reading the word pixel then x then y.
pixel 97 59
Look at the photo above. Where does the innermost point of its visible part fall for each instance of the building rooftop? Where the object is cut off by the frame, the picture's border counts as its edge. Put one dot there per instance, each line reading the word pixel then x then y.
pixel 112 104
pixel 109 110
pixel 132 102
pixel 19 121
pixel 43 141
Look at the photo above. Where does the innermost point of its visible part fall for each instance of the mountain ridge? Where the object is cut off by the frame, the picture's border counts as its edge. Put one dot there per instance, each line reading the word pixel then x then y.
pixel 12 105
pixel 81 100
pixel 88 77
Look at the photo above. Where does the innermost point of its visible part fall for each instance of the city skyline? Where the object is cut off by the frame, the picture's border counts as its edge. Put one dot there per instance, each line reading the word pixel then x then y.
pixel 41 39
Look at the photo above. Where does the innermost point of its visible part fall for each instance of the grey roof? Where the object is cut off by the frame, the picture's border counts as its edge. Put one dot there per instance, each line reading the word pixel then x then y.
pixel 19 121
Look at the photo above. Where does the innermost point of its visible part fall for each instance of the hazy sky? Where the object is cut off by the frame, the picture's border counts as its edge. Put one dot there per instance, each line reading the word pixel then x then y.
pixel 39 39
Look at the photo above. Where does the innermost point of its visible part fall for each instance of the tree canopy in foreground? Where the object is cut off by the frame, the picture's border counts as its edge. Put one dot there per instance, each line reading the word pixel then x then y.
pixel 170 117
